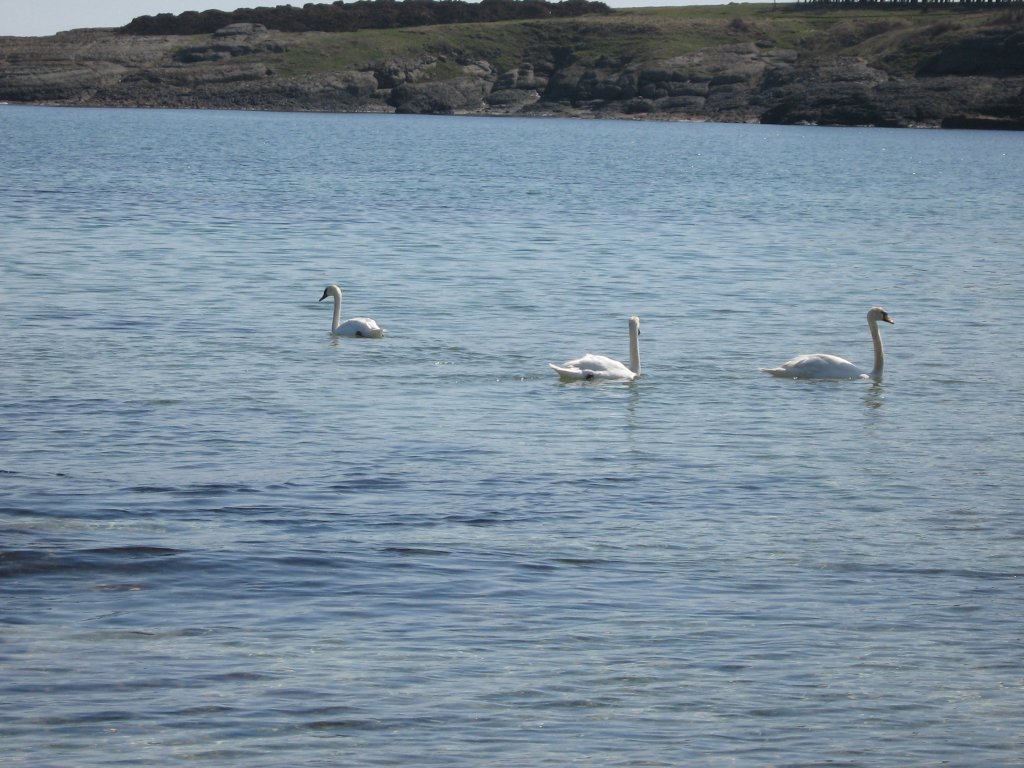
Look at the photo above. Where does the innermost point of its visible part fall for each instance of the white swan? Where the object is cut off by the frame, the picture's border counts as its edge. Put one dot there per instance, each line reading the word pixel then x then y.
pixel 362 327
pixel 831 367
pixel 590 367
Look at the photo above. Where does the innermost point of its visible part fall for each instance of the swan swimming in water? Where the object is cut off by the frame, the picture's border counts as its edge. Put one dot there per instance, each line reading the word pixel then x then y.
pixel 362 327
pixel 821 366
pixel 599 367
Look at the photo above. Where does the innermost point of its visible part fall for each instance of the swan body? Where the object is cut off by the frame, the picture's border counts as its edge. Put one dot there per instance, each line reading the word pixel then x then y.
pixel 361 327
pixel 820 366
pixel 598 367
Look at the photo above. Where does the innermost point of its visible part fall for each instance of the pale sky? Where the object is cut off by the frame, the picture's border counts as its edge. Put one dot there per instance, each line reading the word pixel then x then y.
pixel 32 18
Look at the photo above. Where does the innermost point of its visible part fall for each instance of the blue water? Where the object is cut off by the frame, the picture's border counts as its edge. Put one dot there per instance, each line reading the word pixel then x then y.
pixel 227 538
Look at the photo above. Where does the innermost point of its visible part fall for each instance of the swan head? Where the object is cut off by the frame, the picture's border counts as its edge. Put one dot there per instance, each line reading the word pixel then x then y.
pixel 634 324
pixel 331 290
pixel 877 313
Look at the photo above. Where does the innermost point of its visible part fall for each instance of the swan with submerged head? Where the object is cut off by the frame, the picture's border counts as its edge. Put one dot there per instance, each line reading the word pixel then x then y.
pixel 598 367
pixel 361 327
pixel 821 366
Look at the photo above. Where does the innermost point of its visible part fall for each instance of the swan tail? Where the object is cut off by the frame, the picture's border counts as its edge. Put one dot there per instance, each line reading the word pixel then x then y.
pixel 566 373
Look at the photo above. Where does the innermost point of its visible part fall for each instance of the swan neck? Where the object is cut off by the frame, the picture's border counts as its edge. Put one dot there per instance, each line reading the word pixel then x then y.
pixel 634 349
pixel 876 339
pixel 337 312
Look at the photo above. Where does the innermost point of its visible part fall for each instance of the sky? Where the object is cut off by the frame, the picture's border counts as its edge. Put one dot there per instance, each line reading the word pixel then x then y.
pixel 30 18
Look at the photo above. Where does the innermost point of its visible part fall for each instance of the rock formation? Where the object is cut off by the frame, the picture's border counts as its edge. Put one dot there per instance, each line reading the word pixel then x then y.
pixel 947 74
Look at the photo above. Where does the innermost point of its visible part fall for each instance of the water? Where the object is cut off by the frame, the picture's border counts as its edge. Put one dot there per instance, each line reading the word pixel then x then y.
pixel 230 539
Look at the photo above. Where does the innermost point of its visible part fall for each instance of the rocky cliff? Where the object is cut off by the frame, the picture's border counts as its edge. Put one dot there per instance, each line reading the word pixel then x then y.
pixel 750 63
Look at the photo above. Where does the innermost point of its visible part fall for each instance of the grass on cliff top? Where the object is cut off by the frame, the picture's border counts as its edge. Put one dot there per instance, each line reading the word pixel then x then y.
pixel 633 36
pixel 637 35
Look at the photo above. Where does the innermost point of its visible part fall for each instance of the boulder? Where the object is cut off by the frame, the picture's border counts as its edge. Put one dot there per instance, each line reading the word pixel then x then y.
pixel 511 99
pixel 439 98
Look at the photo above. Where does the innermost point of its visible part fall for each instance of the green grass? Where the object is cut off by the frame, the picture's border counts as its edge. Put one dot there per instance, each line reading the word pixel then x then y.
pixel 639 36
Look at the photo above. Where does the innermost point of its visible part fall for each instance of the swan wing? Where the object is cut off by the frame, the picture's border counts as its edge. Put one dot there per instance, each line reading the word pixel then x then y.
pixel 590 367
pixel 817 366
pixel 362 327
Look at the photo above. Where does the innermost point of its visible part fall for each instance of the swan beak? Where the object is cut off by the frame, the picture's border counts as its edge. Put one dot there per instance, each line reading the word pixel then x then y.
pixel 889 320
pixel 323 297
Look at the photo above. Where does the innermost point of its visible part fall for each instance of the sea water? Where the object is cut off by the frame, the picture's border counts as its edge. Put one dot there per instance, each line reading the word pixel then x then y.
pixel 229 538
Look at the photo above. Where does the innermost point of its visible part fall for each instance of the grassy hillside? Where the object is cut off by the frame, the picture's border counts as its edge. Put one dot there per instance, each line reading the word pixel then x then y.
pixel 883 65
pixel 896 37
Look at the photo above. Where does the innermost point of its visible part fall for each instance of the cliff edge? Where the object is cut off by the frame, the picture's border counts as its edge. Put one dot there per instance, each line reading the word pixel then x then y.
pixel 897 66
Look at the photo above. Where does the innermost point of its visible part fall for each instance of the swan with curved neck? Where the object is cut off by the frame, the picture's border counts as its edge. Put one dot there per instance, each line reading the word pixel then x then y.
pixel 362 327
pixel 598 367
pixel 821 366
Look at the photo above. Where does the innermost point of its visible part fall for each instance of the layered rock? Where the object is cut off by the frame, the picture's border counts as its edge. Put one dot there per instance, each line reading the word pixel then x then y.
pixel 975 79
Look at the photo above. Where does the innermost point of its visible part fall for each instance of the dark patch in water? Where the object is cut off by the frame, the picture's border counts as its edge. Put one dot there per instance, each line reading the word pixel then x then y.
pixel 357 484
pixel 413 551
pixel 135 559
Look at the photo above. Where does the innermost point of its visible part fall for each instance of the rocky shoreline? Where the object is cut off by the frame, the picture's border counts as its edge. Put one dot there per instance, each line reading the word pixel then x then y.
pixel 969 76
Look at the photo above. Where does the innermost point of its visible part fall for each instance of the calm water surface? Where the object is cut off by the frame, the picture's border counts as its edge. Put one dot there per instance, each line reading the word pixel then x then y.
pixel 227 538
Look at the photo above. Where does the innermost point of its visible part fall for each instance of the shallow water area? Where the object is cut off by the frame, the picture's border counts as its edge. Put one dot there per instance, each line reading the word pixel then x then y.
pixel 228 537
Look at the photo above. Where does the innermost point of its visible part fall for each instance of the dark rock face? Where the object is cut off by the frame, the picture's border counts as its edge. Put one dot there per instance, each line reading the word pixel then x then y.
pixel 445 98
pixel 990 52
pixel 836 92
pixel 850 92
pixel 974 79
pixel 229 42
pixel 222 51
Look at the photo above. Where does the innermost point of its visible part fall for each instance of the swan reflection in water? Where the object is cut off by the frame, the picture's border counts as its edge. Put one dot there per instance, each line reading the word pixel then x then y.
pixel 875 396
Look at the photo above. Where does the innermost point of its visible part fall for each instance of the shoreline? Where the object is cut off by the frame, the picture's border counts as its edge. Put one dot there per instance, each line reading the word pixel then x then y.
pixel 712 64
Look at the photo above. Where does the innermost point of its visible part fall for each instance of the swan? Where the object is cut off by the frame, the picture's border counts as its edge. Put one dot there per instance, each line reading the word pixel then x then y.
pixel 591 367
pixel 821 366
pixel 362 327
